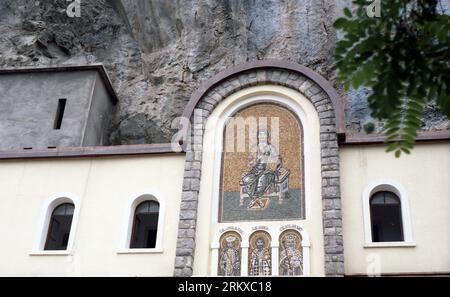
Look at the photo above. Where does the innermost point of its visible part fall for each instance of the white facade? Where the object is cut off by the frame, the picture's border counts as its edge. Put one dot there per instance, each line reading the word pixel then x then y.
pixel 422 180
pixel 106 184
pixel 105 189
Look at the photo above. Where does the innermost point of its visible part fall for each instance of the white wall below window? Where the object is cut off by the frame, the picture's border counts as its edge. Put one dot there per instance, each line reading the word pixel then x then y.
pixel 425 176
pixel 104 187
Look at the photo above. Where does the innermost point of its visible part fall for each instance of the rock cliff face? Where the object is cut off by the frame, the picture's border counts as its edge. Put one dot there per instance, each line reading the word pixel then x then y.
pixel 158 52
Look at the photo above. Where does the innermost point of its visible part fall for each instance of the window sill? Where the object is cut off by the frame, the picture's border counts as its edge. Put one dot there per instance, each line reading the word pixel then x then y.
pixel 51 253
pixel 141 251
pixel 389 244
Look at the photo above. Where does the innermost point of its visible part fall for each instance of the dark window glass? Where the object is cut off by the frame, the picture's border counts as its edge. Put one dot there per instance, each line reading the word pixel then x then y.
pixel 386 217
pixel 59 114
pixel 59 227
pixel 145 225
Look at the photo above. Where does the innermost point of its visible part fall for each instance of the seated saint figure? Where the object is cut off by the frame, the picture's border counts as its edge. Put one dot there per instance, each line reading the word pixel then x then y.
pixel 265 163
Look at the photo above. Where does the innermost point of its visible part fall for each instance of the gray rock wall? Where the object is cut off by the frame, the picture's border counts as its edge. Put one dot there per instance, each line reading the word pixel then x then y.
pixel 158 52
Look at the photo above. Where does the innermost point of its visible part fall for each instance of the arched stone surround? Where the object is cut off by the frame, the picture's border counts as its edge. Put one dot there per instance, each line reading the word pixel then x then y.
pixel 331 114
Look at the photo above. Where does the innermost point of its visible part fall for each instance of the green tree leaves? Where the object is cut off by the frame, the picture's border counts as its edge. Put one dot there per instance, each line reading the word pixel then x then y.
pixel 403 57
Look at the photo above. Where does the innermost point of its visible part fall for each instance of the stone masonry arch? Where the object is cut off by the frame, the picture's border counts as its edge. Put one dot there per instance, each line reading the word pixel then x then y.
pixel 331 114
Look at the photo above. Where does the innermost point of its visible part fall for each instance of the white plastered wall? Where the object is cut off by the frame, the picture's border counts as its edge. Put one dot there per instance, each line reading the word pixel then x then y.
pixel 105 188
pixel 424 178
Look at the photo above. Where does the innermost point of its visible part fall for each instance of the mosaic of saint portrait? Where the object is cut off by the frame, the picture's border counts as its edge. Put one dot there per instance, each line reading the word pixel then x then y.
pixel 290 254
pixel 260 254
pixel 230 254
pixel 262 165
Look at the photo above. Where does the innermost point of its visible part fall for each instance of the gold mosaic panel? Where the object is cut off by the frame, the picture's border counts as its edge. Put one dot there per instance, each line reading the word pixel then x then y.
pixel 290 253
pixel 244 194
pixel 230 254
pixel 289 140
pixel 260 254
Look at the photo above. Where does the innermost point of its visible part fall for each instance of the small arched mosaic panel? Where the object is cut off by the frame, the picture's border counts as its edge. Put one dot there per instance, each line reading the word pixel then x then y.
pixel 230 254
pixel 262 165
pixel 260 254
pixel 290 253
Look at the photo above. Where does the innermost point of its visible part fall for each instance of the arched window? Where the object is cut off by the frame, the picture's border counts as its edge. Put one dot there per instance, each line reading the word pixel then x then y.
pixel 59 227
pixel 386 217
pixel 145 225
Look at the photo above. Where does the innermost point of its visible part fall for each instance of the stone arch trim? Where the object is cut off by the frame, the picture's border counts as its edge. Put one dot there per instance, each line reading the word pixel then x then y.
pixel 239 72
pixel 331 114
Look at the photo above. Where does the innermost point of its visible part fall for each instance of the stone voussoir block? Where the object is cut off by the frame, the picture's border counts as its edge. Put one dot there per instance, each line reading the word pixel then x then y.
pixel 198 140
pixel 332 223
pixel 186 184
pixel 334 258
pixel 196 164
pixel 205 105
pixel 194 184
pixel 284 77
pixel 185 252
pixel 328 136
pixel 192 173
pixel 330 160
pixel 275 76
pixel 331 173
pixel 189 196
pixel 183 272
pixel 329 231
pixel 324 101
pixel 331 204
pixel 189 156
pixel 221 91
pixel 188 205
pixel 326 114
pixel 304 86
pixel 332 214
pixel 329 152
pixel 185 243
pixel 252 79
pixel 330 167
pixel 187 224
pixel 335 268
pixel 327 128
pixel 235 83
pixel 197 156
pixel 332 181
pixel 198 132
pixel 210 100
pixel 261 76
pixel 324 107
pixel 187 166
pixel 321 96
pixel 243 79
pixel 186 233
pixel 329 121
pixel 313 90
pixel 335 249
pixel 331 192
pixel 188 215
pixel 329 144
